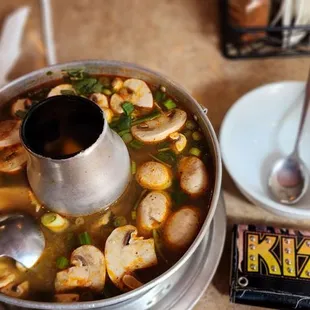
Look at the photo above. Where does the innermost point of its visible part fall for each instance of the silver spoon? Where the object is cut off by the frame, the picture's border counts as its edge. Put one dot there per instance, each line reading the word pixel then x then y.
pixel 21 239
pixel 289 178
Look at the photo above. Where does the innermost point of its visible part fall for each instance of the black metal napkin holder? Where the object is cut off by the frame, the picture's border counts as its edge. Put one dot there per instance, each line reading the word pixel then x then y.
pixel 233 47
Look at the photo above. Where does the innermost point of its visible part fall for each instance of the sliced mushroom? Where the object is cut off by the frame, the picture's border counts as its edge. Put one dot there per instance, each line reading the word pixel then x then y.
pixel 153 175
pixel 20 105
pixel 100 99
pixel 131 281
pixel 142 96
pixel 17 291
pixel 117 84
pixel 160 128
pixel 66 297
pixel 72 278
pixel 6 279
pixel 116 103
pixel 125 253
pixel 89 270
pixel 182 227
pixel 12 154
pixel 7 270
pixel 139 95
pixel 12 158
pixel 179 142
pixel 9 132
pixel 59 88
pixel 152 212
pixel 193 176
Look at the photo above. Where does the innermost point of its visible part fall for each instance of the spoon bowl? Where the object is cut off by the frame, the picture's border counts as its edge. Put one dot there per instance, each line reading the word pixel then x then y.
pixel 289 180
pixel 21 239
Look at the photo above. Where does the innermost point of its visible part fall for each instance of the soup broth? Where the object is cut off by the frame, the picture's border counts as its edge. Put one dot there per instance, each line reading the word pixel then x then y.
pixel 167 209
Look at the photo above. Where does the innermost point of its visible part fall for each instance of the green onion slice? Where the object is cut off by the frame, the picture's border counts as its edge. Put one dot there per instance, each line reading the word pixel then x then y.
pixel 195 151
pixel 188 134
pixel 191 125
pixel 158 245
pixel 145 118
pixel 135 144
pixel 121 133
pixel 107 91
pixel 79 221
pixel 124 123
pixel 133 215
pixel 54 222
pixel 128 107
pixel 164 149
pixel 84 238
pixel 133 167
pixel 169 104
pixel 159 96
pixel 48 218
pixel 127 137
pixel 119 221
pixel 197 136
pixel 62 262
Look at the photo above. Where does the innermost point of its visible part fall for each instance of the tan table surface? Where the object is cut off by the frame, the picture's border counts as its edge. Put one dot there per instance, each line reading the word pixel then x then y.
pixel 180 39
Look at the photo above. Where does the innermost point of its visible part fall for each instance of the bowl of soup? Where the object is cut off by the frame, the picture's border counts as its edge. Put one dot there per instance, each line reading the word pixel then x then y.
pixel 122 251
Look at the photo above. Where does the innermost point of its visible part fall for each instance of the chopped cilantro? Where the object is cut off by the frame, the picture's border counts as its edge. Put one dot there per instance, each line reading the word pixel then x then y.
pixel 163 144
pixel 75 74
pixel 38 94
pixel 177 195
pixel 124 123
pixel 159 96
pixel 87 86
pixel 135 144
pixel 167 157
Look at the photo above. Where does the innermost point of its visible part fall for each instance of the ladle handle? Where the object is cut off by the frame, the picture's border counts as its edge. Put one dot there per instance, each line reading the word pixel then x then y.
pixel 303 115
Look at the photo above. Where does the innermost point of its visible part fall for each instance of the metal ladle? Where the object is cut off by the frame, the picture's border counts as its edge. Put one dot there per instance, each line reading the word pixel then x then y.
pixel 289 178
pixel 21 239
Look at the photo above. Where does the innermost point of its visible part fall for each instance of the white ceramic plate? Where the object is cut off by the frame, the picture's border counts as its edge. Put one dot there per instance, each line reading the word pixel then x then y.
pixel 258 129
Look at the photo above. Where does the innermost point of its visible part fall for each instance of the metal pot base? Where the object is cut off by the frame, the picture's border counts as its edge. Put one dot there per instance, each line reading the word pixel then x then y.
pixel 200 269
pixel 184 288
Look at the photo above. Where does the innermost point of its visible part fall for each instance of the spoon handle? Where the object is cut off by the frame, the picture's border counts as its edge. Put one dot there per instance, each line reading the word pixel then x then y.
pixel 303 115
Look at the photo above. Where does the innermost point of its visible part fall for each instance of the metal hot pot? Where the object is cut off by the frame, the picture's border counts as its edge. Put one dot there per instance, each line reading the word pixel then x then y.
pixel 208 244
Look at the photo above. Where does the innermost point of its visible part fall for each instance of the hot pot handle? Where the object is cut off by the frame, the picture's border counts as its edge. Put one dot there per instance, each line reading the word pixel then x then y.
pixel 204 109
